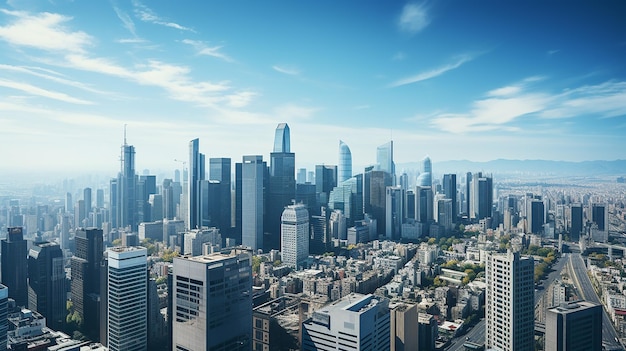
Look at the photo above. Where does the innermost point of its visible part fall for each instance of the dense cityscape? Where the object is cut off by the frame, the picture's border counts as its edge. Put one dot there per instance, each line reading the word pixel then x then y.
pixel 406 175
pixel 270 257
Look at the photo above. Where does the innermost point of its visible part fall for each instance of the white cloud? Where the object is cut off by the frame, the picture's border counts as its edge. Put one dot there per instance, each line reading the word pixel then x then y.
pixel 33 90
pixel 292 71
pixel 145 14
pixel 433 72
pixel 505 105
pixel 45 31
pixel 414 18
pixel 203 49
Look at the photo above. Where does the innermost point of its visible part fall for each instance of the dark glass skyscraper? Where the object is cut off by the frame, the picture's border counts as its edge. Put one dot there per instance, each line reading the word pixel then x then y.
pixel 282 185
pixel 252 181
pixel 86 272
pixel 577 222
pixel 15 265
pixel 376 183
pixel 46 287
pixel 220 170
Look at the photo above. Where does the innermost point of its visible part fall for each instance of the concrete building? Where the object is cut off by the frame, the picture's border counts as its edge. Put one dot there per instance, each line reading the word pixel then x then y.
pixel 213 306
pixel 253 172
pixel 404 326
pixel 509 302
pixel 127 296
pixel 355 322
pixel 294 232
pixel 574 326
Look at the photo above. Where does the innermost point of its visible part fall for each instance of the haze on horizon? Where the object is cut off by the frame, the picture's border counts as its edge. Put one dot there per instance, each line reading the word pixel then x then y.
pixel 455 81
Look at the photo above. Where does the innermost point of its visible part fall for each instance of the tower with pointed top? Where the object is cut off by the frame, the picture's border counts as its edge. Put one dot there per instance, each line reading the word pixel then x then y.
pixel 282 184
pixel 125 187
pixel 196 175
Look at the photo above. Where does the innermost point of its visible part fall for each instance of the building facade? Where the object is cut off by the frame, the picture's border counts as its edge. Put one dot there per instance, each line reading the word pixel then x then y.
pixel 574 326
pixel 294 231
pixel 253 171
pixel 356 322
pixel 15 265
pixel 510 301
pixel 127 296
pixel 46 284
pixel 212 309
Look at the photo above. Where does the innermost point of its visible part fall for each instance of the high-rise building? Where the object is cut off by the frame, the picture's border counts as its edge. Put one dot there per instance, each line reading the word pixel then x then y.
pixel 424 204
pixel 375 185
pixel 356 322
pixel 126 189
pixel 574 326
pixel 87 204
pixel 46 284
pixel 196 175
pixel 427 332
pixel 600 216
pixel 394 207
pixel 85 284
pixel 344 167
pixel 282 184
pixel 220 170
pixel 425 178
pixel 404 327
pixel 384 158
pixel 510 302
pixel 325 181
pixel 294 231
pixel 212 309
pixel 4 321
pixel 252 181
pixel 536 217
pixel 15 265
pixel 127 296
pixel 449 190
pixel 301 176
pixel 576 217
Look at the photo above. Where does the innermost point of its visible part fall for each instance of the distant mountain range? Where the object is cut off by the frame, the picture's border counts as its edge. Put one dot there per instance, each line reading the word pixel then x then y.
pixel 539 167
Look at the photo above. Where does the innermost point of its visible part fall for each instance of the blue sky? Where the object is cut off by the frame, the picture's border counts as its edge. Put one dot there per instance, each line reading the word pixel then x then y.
pixel 450 79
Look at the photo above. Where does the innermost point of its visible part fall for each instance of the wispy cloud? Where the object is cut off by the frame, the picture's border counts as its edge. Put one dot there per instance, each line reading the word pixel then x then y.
pixel 51 33
pixel 52 76
pixel 413 18
pixel 503 106
pixel 127 22
pixel 205 50
pixel 33 90
pixel 291 111
pixel 71 49
pixel 435 72
pixel 145 14
pixel 399 56
pixel 292 71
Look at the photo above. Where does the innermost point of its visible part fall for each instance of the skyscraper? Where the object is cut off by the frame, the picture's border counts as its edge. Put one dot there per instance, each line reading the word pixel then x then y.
pixel 574 326
pixel 127 296
pixel 213 306
pixel 384 158
pixel 282 184
pixel 253 171
pixel 220 170
pixel 15 266
pixel 425 178
pixel 294 231
pixel 375 197
pixel 46 284
pixel 536 217
pixel 85 285
pixel 577 222
pixel 325 181
pixel 449 190
pixel 356 322
pixel 87 204
pixel 394 207
pixel 344 168
pixel 509 302
pixel 4 322
pixel 126 186
pixel 196 174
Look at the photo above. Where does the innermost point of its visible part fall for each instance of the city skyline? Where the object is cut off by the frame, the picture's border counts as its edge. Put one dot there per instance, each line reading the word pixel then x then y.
pixel 450 80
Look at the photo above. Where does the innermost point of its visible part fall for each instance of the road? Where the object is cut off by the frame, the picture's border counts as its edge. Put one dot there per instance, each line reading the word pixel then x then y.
pixel 609 335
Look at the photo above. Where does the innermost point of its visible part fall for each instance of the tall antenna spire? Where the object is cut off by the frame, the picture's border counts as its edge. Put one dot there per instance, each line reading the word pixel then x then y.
pixel 125 134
